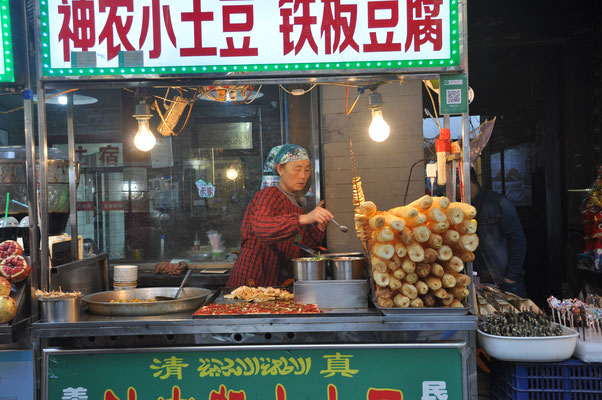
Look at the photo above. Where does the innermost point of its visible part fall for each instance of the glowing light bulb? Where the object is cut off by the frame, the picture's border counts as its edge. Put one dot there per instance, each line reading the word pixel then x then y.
pixel 379 129
pixel 144 139
pixel 232 174
pixel 62 100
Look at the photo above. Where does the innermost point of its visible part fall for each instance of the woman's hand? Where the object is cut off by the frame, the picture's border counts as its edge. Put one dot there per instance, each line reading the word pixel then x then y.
pixel 318 215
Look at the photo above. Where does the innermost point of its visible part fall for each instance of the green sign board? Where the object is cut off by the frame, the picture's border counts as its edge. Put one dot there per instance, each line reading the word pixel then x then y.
pixel 7 72
pixel 453 97
pixel 333 373
pixel 96 38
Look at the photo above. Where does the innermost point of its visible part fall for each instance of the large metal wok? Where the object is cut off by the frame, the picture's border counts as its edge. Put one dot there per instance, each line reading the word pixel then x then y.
pixel 190 299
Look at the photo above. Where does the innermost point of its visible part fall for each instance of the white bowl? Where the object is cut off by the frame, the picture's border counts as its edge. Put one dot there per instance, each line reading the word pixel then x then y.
pixel 530 349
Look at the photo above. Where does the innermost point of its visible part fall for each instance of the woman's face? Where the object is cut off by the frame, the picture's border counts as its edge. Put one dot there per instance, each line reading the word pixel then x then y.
pixel 294 175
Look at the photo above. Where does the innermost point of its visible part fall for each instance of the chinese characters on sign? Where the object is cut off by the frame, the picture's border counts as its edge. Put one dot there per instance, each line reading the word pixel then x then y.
pixel 334 374
pixel 97 154
pixel 206 190
pixel 117 37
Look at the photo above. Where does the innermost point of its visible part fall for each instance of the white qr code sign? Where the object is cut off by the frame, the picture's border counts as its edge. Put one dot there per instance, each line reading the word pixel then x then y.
pixel 454 90
pixel 453 96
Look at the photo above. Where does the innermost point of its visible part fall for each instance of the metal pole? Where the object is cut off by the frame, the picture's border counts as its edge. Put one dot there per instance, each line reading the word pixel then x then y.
pixel 43 159
pixel 72 178
pixel 471 374
pixel 30 165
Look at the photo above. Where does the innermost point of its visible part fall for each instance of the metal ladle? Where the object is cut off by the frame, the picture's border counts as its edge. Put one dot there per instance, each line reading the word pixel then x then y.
pixel 167 298
pixel 343 228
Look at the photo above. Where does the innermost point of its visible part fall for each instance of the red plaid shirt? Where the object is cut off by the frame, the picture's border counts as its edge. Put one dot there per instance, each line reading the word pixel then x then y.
pixel 268 232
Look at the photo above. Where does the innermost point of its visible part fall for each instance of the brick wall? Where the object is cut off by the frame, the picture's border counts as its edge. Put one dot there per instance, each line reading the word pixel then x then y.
pixel 383 167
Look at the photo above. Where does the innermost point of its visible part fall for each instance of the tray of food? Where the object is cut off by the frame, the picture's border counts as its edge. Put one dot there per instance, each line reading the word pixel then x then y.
pixel 254 301
pixel 417 254
pixel 244 309
pixel 525 336
pixel 140 302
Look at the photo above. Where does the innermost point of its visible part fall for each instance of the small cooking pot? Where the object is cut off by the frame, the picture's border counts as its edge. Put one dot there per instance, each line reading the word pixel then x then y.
pixel 309 268
pixel 348 268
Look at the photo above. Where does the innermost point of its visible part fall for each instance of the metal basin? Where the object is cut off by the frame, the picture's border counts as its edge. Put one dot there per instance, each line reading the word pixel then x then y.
pixel 190 299
pixel 348 268
pixel 60 310
pixel 309 269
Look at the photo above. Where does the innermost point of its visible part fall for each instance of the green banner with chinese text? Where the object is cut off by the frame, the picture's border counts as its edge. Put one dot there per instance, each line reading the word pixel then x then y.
pixel 337 373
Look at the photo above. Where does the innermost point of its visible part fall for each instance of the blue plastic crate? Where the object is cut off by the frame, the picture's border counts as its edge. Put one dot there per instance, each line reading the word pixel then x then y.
pixel 567 380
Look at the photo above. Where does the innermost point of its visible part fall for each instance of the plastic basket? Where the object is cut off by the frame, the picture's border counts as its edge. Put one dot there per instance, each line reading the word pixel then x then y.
pixel 566 380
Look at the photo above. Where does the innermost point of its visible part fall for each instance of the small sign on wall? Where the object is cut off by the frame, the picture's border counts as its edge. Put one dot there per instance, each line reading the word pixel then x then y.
pixel 453 97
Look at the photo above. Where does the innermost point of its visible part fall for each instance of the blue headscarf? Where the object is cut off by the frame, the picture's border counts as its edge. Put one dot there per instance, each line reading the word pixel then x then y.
pixel 285 153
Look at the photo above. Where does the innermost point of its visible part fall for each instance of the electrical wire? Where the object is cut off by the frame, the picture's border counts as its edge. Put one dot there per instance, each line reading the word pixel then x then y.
pixel 405 196
pixel 256 93
pixel 347 109
pixel 304 92
pixel 433 102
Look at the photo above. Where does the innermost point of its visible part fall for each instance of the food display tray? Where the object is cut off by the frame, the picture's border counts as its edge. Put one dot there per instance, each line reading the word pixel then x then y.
pixel 423 310
pixel 410 310
pixel 325 311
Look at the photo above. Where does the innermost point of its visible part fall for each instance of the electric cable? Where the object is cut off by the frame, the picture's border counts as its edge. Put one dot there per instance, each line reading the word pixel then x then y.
pixel 405 196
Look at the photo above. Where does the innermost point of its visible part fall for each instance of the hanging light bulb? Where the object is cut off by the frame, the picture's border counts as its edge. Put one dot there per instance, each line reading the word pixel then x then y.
pixel 144 139
pixel 232 173
pixel 379 129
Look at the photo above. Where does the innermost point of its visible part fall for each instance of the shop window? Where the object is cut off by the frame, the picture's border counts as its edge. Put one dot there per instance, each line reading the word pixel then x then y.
pixel 184 199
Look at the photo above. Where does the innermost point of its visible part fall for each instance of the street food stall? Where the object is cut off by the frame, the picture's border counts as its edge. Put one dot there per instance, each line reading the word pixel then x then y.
pixel 173 196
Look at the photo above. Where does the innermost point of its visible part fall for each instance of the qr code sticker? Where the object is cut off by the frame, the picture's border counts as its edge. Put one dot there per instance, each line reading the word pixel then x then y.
pixel 454 96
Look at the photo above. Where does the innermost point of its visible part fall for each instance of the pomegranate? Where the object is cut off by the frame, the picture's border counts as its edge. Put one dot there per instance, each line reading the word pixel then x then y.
pixel 8 309
pixel 4 286
pixel 14 268
pixel 10 248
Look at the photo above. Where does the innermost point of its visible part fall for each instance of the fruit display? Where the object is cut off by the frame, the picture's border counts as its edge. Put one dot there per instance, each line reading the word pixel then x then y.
pixel 522 324
pixel 10 248
pixel 5 286
pixel 8 309
pixel 14 268
pixel 418 251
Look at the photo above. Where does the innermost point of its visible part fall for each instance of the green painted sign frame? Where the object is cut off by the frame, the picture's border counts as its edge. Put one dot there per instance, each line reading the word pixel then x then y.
pixel 7 71
pixel 333 372
pixel 343 66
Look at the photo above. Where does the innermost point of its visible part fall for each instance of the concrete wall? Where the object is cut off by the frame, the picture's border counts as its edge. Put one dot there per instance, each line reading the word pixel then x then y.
pixel 383 167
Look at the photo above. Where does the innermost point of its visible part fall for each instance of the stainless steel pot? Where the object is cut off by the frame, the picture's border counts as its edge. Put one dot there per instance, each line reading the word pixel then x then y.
pixel 60 310
pixel 348 268
pixel 309 269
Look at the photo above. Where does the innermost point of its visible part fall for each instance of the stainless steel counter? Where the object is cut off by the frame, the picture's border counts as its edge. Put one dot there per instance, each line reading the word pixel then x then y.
pixel 183 324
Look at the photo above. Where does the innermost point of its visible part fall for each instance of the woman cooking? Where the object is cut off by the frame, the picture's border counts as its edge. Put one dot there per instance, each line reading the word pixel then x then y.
pixel 274 221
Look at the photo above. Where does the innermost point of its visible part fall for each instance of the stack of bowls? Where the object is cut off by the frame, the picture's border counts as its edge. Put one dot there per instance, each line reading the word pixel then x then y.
pixel 125 277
